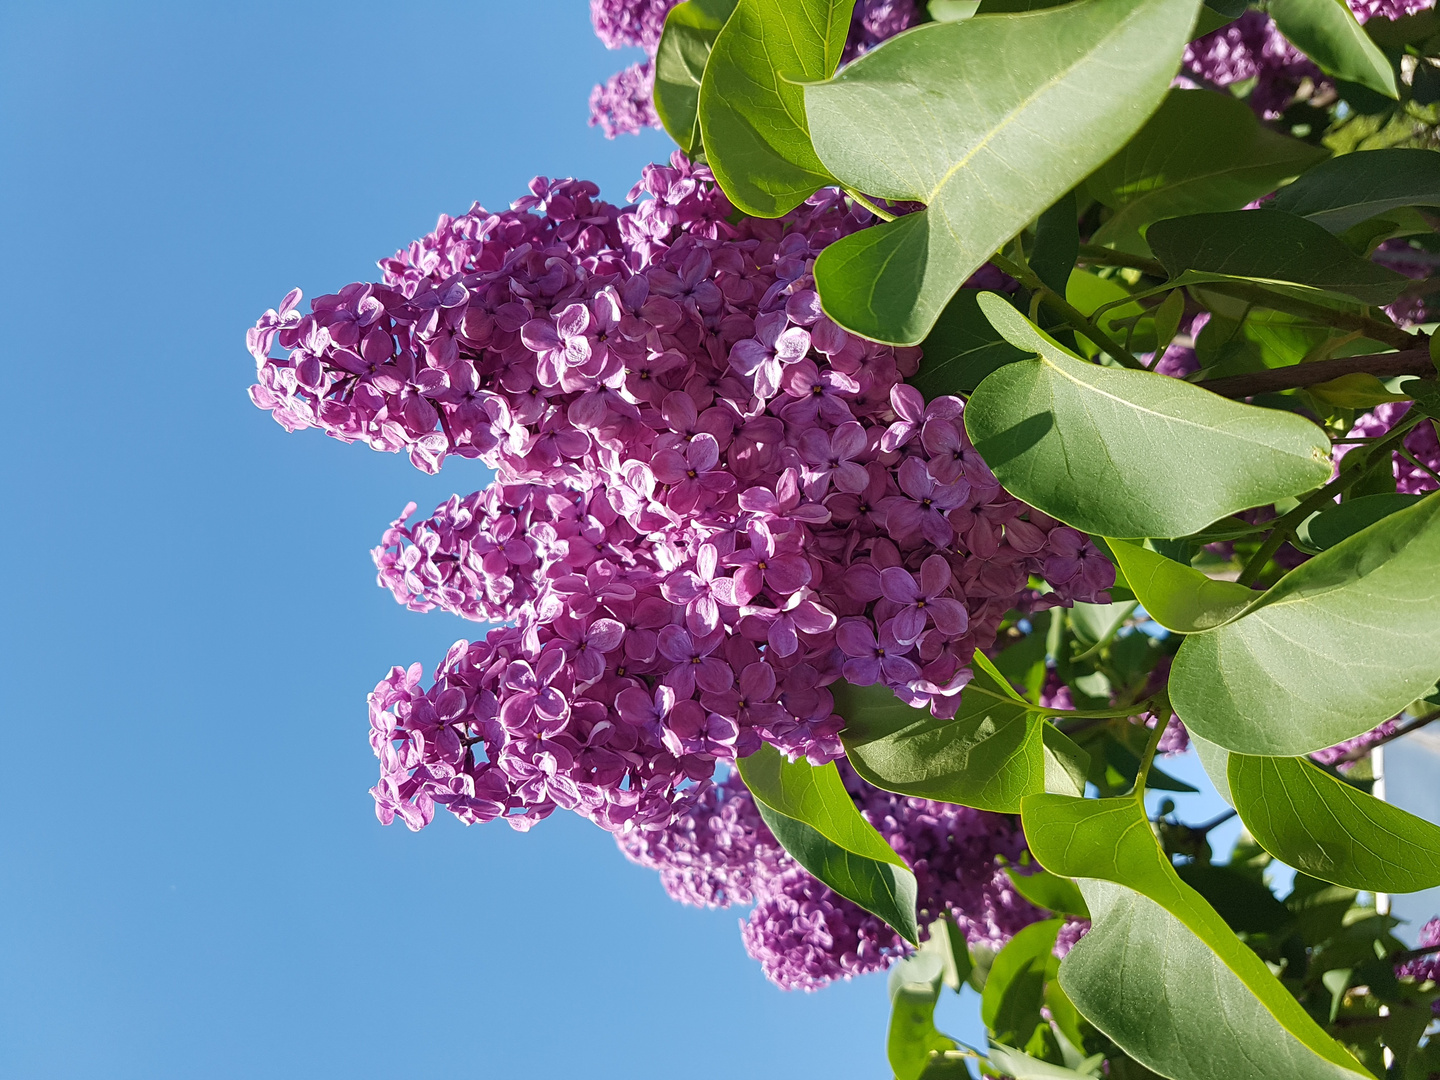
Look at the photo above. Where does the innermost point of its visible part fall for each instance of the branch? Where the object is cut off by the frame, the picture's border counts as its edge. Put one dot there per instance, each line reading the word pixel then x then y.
pixel 1259 296
pixel 1398 733
pixel 1381 365
pixel 1103 256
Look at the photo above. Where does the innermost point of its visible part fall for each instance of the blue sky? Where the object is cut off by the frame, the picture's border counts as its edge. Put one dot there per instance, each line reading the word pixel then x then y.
pixel 194 883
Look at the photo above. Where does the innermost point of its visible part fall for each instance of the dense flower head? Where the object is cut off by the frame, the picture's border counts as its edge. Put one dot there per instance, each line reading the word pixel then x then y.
pixel 719 853
pixel 619 23
pixel 1424 968
pixel 874 21
pixel 1351 749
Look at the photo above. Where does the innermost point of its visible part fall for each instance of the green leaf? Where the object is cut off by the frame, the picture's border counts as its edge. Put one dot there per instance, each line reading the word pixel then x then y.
pixel 752 108
pixel 1215 760
pixel 952 10
pixel 1160 973
pixel 1344 191
pixel 1057 243
pixel 1015 988
pixel 1328 32
pixel 961 349
pixel 1325 529
pixel 914 989
pixel 1179 597
pixel 1066 765
pixel 987 122
pixel 1048 891
pixel 1271 246
pixel 1310 820
pixel 1245 904
pixel 1021 1066
pixel 690 32
pixel 1339 644
pixel 989 755
pixel 1200 152
pixel 815 820
pixel 1079 442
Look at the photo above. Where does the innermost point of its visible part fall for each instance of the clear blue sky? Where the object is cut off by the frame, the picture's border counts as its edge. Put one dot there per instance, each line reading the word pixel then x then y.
pixel 192 880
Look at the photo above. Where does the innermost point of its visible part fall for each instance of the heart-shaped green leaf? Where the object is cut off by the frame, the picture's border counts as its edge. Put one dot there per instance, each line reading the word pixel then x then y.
pixel 815 820
pixel 1344 191
pixel 1177 596
pixel 1340 644
pixel 680 59
pixel 1272 246
pixel 1200 152
pixel 1160 971
pixel 1328 32
pixel 1331 830
pixel 989 755
pixel 752 108
pixel 1063 89
pixel 1081 442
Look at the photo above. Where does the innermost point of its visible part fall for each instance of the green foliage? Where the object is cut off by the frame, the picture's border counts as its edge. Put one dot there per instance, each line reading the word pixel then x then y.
pixel 989 755
pixel 815 820
pixel 1326 528
pixel 1328 32
pixel 1015 988
pixel 1077 439
pixel 1342 643
pixel 690 32
pixel 1331 830
pixel 1200 152
pixel 1178 597
pixel 1341 193
pixel 961 349
pixel 1159 962
pixel 1270 245
pixel 1046 890
pixel 751 104
pixel 987 122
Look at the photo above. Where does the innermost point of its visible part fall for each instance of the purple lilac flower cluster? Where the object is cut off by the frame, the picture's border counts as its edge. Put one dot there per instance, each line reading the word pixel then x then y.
pixel 711 501
pixel 1425 968
pixel 624 104
pixel 719 853
pixel 1252 47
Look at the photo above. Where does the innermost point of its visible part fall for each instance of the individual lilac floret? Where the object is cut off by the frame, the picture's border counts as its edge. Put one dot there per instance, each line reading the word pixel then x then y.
pixel 625 103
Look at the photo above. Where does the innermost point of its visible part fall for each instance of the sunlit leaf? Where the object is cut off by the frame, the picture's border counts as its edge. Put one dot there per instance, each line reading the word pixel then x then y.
pixel 987 122
pixel 690 32
pixel 1331 830
pixel 1177 596
pixel 1340 644
pixel 1352 188
pixel 1080 442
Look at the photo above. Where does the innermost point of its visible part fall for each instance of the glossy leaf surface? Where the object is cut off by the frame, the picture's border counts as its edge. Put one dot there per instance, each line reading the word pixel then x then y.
pixel 1327 32
pixel 1341 643
pixel 987 122
pixel 751 108
pixel 1270 245
pixel 1330 830
pixel 1160 970
pixel 1200 152
pixel 1327 528
pixel 1080 442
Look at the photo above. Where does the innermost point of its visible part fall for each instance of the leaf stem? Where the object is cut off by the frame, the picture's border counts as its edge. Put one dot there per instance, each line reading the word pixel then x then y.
pixel 1152 744
pixel 1286 526
pixel 1388 333
pixel 1103 256
pixel 1382 365
pixel 883 215
pixel 1071 314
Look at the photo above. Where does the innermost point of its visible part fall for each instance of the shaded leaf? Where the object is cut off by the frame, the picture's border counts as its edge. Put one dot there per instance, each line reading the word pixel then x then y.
pixel 680 58
pixel 1341 643
pixel 987 122
pixel 751 108
pixel 1346 190
pixel 1307 818
pixel 1325 529
pixel 915 985
pixel 1015 988
pixel 1159 970
pixel 1200 152
pixel 1177 596
pixel 1270 245
pixel 1079 442
pixel 961 349
pixel 1022 1066
pixel 1049 891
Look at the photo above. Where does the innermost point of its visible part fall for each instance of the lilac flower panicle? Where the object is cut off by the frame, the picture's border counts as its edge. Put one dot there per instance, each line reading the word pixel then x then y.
pixel 625 103
pixel 1424 968
pixel 619 23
